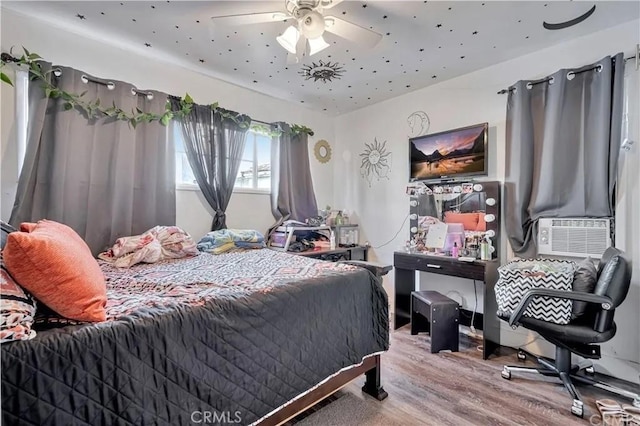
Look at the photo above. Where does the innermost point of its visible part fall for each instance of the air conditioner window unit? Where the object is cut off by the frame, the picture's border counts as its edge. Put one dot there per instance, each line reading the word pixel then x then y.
pixel 574 237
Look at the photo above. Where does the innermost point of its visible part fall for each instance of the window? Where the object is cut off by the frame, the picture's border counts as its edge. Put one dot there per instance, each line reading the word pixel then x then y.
pixel 255 168
pixel 184 174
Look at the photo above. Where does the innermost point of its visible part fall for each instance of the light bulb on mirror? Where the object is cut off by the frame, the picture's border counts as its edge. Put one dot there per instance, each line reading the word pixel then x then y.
pixel 413 203
pixel 477 187
pixel 457 189
pixel 489 218
pixel 414 230
pixel 413 216
pixel 490 233
pixel 491 201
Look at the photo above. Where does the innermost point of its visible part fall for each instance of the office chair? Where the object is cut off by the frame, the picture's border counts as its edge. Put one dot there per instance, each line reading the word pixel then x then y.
pixel 581 335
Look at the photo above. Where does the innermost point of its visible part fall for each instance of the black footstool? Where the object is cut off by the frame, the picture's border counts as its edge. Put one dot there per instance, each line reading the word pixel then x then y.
pixel 436 313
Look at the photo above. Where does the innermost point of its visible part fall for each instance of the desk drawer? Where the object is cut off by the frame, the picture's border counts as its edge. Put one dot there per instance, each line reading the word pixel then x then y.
pixel 439 265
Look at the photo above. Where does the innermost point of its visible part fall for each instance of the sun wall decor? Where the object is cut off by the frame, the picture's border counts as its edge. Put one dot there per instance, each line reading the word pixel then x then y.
pixel 322 151
pixel 376 161
pixel 419 124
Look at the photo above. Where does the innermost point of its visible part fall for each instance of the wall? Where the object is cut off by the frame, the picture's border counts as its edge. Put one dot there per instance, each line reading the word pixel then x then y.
pixel 466 100
pixel 99 58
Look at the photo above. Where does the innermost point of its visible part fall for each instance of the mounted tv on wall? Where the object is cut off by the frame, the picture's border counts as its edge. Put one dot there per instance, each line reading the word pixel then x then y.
pixel 454 154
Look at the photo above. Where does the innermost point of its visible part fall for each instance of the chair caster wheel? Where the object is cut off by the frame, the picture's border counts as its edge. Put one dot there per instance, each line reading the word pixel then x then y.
pixel 522 356
pixel 506 374
pixel 577 408
pixel 590 370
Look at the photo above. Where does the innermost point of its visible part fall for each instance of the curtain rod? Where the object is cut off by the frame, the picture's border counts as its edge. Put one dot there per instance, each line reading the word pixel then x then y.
pixel 546 79
pixel 6 57
pixel 178 98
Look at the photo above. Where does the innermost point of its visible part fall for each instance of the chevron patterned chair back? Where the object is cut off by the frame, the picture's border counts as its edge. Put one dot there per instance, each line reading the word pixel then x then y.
pixel 582 335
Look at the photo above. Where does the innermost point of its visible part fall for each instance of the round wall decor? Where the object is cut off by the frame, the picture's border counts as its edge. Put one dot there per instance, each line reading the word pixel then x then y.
pixel 322 151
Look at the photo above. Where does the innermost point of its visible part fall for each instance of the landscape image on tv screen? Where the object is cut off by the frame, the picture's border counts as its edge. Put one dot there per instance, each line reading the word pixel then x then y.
pixel 448 154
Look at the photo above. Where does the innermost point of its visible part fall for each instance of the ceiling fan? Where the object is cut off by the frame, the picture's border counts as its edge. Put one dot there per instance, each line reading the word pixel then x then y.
pixel 305 37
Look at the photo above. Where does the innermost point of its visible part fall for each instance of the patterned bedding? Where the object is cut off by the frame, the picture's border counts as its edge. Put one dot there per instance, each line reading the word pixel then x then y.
pixel 192 281
pixel 240 333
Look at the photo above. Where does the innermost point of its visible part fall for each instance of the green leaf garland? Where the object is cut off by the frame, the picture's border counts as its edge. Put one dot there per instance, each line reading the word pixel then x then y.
pixel 94 110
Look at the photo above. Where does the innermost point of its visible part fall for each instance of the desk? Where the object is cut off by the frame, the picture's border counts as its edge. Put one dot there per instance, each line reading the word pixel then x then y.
pixel 485 271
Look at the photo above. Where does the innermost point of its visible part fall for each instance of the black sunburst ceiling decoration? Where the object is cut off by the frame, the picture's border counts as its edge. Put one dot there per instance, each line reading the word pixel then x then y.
pixel 325 71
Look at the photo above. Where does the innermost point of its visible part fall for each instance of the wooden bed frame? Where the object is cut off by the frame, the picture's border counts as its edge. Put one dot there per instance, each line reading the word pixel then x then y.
pixel 370 368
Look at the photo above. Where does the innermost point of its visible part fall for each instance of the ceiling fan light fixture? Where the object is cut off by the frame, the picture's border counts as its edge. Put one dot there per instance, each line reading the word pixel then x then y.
pixel 289 39
pixel 316 45
pixel 312 24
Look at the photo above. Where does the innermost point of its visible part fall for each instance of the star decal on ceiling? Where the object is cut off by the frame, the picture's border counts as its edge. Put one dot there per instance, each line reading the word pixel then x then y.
pixel 325 71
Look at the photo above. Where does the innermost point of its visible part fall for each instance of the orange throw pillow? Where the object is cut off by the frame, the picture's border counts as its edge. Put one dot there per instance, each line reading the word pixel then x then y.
pixel 27 226
pixel 468 220
pixel 54 264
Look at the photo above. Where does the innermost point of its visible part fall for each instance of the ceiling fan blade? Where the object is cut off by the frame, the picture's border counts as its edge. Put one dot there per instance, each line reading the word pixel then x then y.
pixel 301 48
pixel 351 31
pixel 328 4
pixel 250 18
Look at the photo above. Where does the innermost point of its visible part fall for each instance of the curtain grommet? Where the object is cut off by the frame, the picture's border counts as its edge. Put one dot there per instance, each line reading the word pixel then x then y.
pixel 599 68
pixel 571 75
pixel 529 85
pixel 110 84
pixel 551 80
pixel 136 92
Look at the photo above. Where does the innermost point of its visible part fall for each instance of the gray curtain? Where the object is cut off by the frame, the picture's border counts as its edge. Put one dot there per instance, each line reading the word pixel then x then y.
pixel 563 138
pixel 101 177
pixel 214 144
pixel 292 195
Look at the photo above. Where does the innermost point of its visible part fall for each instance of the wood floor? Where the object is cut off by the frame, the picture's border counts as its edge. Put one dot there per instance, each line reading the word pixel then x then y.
pixel 463 389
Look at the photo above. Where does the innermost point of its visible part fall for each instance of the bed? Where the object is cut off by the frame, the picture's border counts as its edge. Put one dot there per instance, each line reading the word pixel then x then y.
pixel 249 337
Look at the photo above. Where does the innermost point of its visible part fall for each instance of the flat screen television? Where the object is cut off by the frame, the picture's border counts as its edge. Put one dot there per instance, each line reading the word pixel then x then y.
pixel 454 154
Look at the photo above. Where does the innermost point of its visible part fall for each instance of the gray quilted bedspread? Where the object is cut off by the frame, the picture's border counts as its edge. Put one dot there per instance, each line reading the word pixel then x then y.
pixel 232 337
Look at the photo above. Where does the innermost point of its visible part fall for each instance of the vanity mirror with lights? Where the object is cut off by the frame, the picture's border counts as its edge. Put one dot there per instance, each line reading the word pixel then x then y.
pixel 464 215
pixel 443 216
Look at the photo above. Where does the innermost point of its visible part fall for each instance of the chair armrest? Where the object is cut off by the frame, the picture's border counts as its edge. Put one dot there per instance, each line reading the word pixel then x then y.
pixel 376 269
pixel 578 296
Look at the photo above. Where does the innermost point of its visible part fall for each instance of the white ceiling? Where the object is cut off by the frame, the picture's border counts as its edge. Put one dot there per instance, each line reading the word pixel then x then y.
pixel 424 42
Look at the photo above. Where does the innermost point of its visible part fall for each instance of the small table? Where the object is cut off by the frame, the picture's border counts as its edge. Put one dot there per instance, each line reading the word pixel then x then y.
pixel 339 253
pixel 377 269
